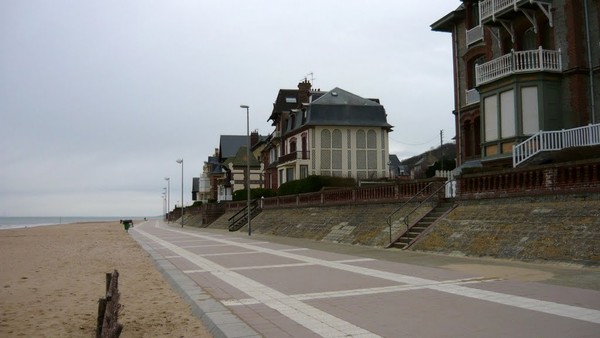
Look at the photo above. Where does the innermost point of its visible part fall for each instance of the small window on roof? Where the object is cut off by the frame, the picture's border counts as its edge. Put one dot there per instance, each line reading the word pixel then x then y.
pixel 290 100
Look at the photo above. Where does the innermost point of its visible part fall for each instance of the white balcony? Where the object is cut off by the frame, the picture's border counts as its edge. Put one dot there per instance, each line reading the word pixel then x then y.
pixel 474 35
pixel 471 97
pixel 493 10
pixel 529 61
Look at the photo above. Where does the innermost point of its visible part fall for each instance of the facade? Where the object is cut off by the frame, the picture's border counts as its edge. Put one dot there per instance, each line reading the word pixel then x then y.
pixel 521 66
pixel 230 174
pixel 334 133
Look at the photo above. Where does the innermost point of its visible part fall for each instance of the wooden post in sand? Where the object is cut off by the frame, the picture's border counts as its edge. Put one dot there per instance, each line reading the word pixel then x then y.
pixel 108 309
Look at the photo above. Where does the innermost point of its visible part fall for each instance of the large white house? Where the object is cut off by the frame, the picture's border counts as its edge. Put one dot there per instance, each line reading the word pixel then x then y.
pixel 334 133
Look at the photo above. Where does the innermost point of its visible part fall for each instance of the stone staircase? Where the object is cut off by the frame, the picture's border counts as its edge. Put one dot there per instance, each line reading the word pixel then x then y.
pixel 412 234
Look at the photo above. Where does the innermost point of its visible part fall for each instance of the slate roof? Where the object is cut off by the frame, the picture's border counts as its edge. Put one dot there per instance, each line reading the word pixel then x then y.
pixel 339 107
pixel 282 104
pixel 229 145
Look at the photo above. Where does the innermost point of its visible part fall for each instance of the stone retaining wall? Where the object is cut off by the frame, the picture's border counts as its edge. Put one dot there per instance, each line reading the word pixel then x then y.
pixel 564 228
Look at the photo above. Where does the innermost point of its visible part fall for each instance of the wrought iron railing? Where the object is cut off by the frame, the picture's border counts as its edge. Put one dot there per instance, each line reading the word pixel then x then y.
pixel 295 155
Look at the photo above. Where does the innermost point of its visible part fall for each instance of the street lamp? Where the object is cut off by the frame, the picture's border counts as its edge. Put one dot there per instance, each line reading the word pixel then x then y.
pixel 168 179
pixel 164 204
pixel 180 161
pixel 248 164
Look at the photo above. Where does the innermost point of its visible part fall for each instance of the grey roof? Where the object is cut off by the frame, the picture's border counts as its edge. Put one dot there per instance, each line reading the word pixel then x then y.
pixel 394 161
pixel 446 23
pixel 229 145
pixel 342 108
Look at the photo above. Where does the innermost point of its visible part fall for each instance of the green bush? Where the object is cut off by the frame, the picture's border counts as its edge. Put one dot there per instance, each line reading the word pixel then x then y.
pixel 314 183
pixel 240 195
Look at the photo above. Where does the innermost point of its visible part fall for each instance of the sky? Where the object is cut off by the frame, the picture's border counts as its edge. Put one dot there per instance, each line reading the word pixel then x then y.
pixel 98 99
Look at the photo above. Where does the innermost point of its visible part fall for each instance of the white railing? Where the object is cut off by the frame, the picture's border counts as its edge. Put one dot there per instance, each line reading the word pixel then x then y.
pixel 474 35
pixel 488 8
pixel 556 140
pixel 519 62
pixel 472 96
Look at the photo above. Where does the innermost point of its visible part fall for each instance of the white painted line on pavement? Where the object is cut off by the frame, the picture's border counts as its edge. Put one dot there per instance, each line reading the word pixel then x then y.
pixel 315 320
pixel 362 292
pixel 563 310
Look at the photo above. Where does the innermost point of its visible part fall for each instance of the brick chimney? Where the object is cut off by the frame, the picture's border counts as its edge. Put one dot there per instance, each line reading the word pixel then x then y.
pixel 253 138
pixel 304 91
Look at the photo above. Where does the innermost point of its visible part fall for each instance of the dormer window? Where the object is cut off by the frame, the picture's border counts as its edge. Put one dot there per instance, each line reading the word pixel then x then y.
pixel 290 99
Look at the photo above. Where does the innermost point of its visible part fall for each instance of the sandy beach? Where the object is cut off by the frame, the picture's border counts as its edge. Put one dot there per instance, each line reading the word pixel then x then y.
pixel 51 278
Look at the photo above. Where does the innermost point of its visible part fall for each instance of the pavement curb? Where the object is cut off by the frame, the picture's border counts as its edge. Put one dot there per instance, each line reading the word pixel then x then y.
pixel 219 321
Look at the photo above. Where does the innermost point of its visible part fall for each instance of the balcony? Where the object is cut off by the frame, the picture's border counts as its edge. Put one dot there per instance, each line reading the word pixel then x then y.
pixel 474 35
pixel 493 10
pixel 529 61
pixel 293 156
pixel 471 97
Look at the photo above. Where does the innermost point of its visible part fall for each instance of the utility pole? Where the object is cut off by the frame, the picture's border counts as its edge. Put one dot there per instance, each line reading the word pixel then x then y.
pixel 442 148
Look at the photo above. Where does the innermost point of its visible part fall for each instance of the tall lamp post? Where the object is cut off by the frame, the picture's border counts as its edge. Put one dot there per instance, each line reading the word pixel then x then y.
pixel 248 165
pixel 164 198
pixel 168 179
pixel 180 161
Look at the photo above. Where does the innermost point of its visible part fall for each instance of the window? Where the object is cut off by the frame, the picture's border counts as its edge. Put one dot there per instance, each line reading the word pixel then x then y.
pixel 507 114
pixel 528 40
pixel 304 147
pixel 529 110
pixel 490 111
pixel 303 171
pixel 289 174
pixel 293 146
pixel 472 80
pixel 290 99
pixel 474 15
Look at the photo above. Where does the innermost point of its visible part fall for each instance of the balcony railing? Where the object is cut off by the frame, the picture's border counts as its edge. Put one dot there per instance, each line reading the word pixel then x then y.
pixel 556 140
pixel 296 155
pixel 539 60
pixel 488 8
pixel 474 35
pixel 471 97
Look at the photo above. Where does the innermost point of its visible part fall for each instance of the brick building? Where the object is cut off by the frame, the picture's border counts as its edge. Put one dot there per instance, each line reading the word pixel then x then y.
pixel 521 66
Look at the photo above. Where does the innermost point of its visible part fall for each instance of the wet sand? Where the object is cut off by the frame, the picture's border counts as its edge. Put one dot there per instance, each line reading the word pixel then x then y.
pixel 51 278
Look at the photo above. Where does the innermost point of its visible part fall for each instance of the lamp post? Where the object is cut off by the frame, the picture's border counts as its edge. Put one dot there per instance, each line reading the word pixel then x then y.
pixel 168 179
pixel 180 161
pixel 248 165
pixel 164 198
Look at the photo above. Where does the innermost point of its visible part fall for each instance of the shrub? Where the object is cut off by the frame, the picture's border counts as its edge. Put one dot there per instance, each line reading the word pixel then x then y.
pixel 314 183
pixel 240 195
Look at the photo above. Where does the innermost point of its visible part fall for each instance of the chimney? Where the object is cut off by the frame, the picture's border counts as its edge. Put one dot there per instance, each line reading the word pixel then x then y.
pixel 253 138
pixel 304 91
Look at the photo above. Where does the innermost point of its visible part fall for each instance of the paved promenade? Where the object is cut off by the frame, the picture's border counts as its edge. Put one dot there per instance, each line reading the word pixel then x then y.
pixel 251 287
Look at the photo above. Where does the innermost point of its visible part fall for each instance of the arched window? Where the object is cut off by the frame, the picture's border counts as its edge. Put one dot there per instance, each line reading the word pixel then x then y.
pixel 528 40
pixel 478 60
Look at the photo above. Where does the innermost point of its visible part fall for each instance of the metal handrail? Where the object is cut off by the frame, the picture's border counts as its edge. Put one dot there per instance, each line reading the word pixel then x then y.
pixel 389 218
pixel 425 200
pixel 254 205
pixel 405 220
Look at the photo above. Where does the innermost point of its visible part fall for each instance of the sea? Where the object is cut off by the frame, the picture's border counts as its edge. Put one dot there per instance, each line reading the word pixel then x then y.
pixel 25 222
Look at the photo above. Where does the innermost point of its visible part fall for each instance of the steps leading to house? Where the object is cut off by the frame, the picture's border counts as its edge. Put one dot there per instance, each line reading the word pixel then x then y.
pixel 412 234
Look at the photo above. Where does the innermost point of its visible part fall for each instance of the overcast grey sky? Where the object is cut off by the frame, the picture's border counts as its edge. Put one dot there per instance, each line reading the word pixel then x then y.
pixel 99 98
